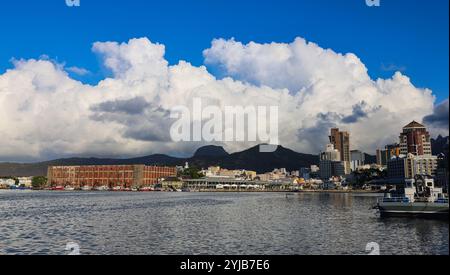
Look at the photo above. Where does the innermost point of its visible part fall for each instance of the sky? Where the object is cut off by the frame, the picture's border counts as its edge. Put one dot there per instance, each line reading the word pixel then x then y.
pixel 401 41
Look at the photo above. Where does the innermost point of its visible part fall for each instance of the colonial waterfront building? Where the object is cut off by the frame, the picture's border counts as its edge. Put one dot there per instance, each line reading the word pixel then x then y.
pixel 415 139
pixel 126 176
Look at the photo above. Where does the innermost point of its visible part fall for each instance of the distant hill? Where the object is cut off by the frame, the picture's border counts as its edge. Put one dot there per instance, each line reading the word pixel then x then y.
pixel 211 151
pixel 250 159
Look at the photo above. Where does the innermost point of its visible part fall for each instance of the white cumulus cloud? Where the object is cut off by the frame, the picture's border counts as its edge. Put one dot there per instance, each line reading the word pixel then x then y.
pixel 44 113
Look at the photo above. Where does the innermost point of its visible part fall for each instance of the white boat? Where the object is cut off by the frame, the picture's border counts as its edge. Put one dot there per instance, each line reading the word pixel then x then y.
pixel 102 188
pixel 419 199
pixel 86 188
pixel 117 188
pixel 69 188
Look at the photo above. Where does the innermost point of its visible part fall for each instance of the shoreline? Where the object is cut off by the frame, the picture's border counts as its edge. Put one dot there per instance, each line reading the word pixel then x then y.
pixel 207 191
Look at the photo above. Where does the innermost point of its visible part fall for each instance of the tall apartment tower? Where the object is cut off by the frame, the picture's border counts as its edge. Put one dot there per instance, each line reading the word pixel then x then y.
pixel 341 142
pixel 415 139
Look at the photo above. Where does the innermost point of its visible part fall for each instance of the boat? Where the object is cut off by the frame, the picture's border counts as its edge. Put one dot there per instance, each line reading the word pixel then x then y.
pixel 15 187
pixel 134 189
pixel 117 188
pixel 69 188
pixel 146 189
pixel 420 198
pixel 101 188
pixel 86 188
pixel 58 188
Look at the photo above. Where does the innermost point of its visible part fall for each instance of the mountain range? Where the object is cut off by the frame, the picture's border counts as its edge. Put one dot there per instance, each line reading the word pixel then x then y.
pixel 250 159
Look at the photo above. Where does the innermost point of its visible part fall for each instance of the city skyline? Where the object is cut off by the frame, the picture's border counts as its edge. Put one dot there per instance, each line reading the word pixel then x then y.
pixel 200 130
pixel 117 105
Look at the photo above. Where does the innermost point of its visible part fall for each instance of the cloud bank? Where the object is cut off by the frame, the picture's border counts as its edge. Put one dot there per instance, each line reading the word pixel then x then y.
pixel 45 113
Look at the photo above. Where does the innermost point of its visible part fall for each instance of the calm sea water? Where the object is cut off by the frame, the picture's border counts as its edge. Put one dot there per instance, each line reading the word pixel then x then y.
pixel 208 223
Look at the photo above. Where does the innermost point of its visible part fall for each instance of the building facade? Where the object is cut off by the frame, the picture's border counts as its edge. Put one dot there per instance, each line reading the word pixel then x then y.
pixel 358 159
pixel 390 151
pixel 396 168
pixel 415 139
pixel 330 163
pixel 410 166
pixel 421 165
pixel 341 142
pixel 127 176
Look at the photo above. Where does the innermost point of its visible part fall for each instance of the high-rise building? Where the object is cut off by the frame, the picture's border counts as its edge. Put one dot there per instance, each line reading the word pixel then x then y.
pixel 330 163
pixel 415 139
pixel 358 158
pixel 396 168
pixel 330 153
pixel 390 151
pixel 420 165
pixel 411 165
pixel 341 142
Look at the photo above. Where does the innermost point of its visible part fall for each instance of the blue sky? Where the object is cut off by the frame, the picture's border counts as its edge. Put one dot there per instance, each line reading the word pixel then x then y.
pixel 406 35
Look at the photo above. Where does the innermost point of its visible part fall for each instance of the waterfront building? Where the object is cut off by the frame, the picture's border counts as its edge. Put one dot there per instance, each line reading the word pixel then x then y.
pixel 295 174
pixel 25 181
pixel 339 168
pixel 330 153
pixel 7 182
pixel 216 183
pixel 314 169
pixel 330 163
pixel 396 168
pixel 411 165
pixel 329 169
pixel 415 139
pixel 326 169
pixel 382 157
pixel 264 177
pixel 390 151
pixel 357 159
pixel 171 183
pixel 420 165
pixel 442 176
pixel 217 171
pixel 305 173
pixel 127 176
pixel 341 142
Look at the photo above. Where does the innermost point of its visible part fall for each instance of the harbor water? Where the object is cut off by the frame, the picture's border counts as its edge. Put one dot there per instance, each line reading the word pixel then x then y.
pixel 34 222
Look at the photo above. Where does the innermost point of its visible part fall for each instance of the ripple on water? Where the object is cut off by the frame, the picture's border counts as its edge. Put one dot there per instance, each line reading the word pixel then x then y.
pixel 203 223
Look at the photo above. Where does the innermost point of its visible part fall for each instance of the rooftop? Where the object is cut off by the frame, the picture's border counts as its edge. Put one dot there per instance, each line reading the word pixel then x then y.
pixel 414 124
